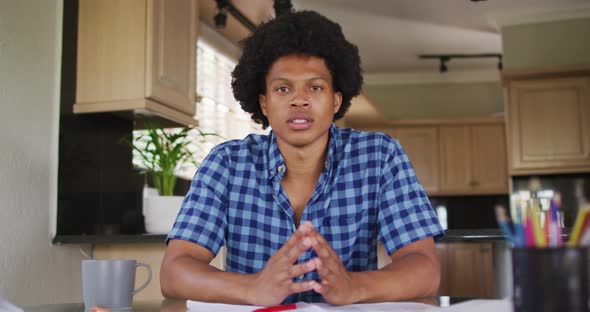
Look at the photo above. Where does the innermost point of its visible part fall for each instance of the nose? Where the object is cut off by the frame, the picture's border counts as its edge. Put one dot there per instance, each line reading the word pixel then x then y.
pixel 300 98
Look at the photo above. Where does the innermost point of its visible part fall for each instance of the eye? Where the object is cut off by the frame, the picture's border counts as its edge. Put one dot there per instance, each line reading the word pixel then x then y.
pixel 282 89
pixel 317 88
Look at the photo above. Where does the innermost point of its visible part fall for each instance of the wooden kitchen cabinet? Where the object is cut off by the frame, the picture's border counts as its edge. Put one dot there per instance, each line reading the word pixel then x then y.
pixel 137 55
pixel 466 269
pixel 443 288
pixel 549 124
pixel 455 157
pixel 421 146
pixel 473 159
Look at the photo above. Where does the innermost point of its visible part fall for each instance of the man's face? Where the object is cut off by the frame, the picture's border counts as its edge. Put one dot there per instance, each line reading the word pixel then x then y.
pixel 300 102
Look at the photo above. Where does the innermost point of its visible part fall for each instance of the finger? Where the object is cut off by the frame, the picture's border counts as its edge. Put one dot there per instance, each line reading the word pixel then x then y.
pixel 302 268
pixel 326 273
pixel 306 226
pixel 294 247
pixel 292 253
pixel 329 258
pixel 318 238
pixel 98 309
pixel 321 246
pixel 297 287
pixel 321 288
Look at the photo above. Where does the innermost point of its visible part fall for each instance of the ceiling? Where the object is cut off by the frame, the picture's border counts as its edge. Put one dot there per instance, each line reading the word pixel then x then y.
pixel 391 34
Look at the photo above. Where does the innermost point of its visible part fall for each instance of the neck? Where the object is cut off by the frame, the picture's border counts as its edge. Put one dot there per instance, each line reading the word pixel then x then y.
pixel 304 161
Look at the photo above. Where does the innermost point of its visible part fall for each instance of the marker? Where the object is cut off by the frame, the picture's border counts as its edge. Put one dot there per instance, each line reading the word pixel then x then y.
pixel 502 219
pixel 555 239
pixel 581 221
pixel 529 232
pixel 519 236
pixel 538 235
pixel 283 307
pixel 584 240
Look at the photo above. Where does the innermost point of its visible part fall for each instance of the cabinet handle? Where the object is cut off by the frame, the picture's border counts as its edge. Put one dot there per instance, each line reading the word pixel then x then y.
pixel 473 183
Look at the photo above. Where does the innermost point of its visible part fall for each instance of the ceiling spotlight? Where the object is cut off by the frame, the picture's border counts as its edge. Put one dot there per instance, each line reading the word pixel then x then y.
pixel 443 64
pixel 220 19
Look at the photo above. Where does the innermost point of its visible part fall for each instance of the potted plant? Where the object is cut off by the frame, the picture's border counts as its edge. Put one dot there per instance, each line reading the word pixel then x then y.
pixel 163 153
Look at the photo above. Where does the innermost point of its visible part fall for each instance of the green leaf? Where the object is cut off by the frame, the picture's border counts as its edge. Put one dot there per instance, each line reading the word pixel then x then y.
pixel 165 151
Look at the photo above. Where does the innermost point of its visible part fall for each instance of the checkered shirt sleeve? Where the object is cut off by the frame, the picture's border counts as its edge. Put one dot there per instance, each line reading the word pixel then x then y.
pixel 405 214
pixel 209 188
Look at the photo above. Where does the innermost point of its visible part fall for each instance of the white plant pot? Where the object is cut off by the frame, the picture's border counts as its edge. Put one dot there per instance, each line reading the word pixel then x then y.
pixel 159 213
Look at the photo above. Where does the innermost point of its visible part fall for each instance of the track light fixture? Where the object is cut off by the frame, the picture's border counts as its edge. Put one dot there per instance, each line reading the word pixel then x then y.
pixel 443 64
pixel 444 58
pixel 220 18
pixel 224 7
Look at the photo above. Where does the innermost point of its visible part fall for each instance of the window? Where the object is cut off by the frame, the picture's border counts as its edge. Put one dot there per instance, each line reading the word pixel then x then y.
pixel 217 110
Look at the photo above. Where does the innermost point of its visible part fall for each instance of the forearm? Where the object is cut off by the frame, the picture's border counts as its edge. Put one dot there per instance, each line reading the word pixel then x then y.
pixel 187 278
pixel 415 275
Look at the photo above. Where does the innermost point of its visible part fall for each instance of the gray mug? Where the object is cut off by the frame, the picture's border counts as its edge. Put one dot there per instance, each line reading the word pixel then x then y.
pixel 110 283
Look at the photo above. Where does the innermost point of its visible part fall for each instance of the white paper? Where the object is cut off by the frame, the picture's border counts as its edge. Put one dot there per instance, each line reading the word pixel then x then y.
pixel 495 305
pixel 6 306
pixel 197 306
pixel 381 307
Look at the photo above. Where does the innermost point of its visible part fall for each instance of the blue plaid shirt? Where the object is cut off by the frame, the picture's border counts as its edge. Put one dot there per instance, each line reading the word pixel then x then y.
pixel 367 191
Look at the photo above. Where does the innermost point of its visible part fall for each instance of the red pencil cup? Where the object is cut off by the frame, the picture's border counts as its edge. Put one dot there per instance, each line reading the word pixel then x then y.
pixel 550 279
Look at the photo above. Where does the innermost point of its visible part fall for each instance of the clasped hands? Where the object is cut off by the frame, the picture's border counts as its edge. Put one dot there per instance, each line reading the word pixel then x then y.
pixel 276 281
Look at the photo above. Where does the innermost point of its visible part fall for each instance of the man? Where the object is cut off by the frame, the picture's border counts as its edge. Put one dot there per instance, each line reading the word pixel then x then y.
pixel 301 209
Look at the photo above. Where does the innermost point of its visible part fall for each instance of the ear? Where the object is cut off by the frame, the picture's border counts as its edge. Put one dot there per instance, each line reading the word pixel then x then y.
pixel 337 101
pixel 262 103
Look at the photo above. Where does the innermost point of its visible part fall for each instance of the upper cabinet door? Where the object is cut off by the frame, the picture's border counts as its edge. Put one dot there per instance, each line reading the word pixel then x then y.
pixel 421 146
pixel 110 54
pixel 137 55
pixel 473 159
pixel 549 125
pixel 488 150
pixel 455 156
pixel 171 53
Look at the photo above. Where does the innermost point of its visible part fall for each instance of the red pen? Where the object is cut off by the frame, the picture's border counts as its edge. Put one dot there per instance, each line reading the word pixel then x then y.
pixel 283 307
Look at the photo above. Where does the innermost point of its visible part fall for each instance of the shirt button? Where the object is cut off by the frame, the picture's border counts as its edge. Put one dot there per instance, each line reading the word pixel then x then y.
pixel 272 172
pixel 326 164
pixel 281 168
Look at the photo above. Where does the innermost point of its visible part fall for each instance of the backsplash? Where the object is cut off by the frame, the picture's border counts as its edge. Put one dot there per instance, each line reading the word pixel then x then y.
pixel 99 192
pixel 468 212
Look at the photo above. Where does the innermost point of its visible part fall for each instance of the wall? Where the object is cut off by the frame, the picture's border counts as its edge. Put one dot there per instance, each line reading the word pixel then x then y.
pixel 547 44
pixel 436 100
pixel 32 271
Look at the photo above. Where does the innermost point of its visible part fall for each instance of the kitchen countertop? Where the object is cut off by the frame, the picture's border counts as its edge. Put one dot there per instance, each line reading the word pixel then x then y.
pixel 472 235
pixel 460 235
pixel 110 239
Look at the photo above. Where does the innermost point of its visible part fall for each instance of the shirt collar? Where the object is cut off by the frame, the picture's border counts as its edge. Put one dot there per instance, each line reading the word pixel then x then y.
pixel 275 158
pixel 276 163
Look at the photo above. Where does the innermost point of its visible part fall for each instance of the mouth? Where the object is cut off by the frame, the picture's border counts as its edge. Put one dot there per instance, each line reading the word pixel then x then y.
pixel 299 123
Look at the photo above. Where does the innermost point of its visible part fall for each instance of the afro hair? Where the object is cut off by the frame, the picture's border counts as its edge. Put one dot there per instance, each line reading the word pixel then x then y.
pixel 296 33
